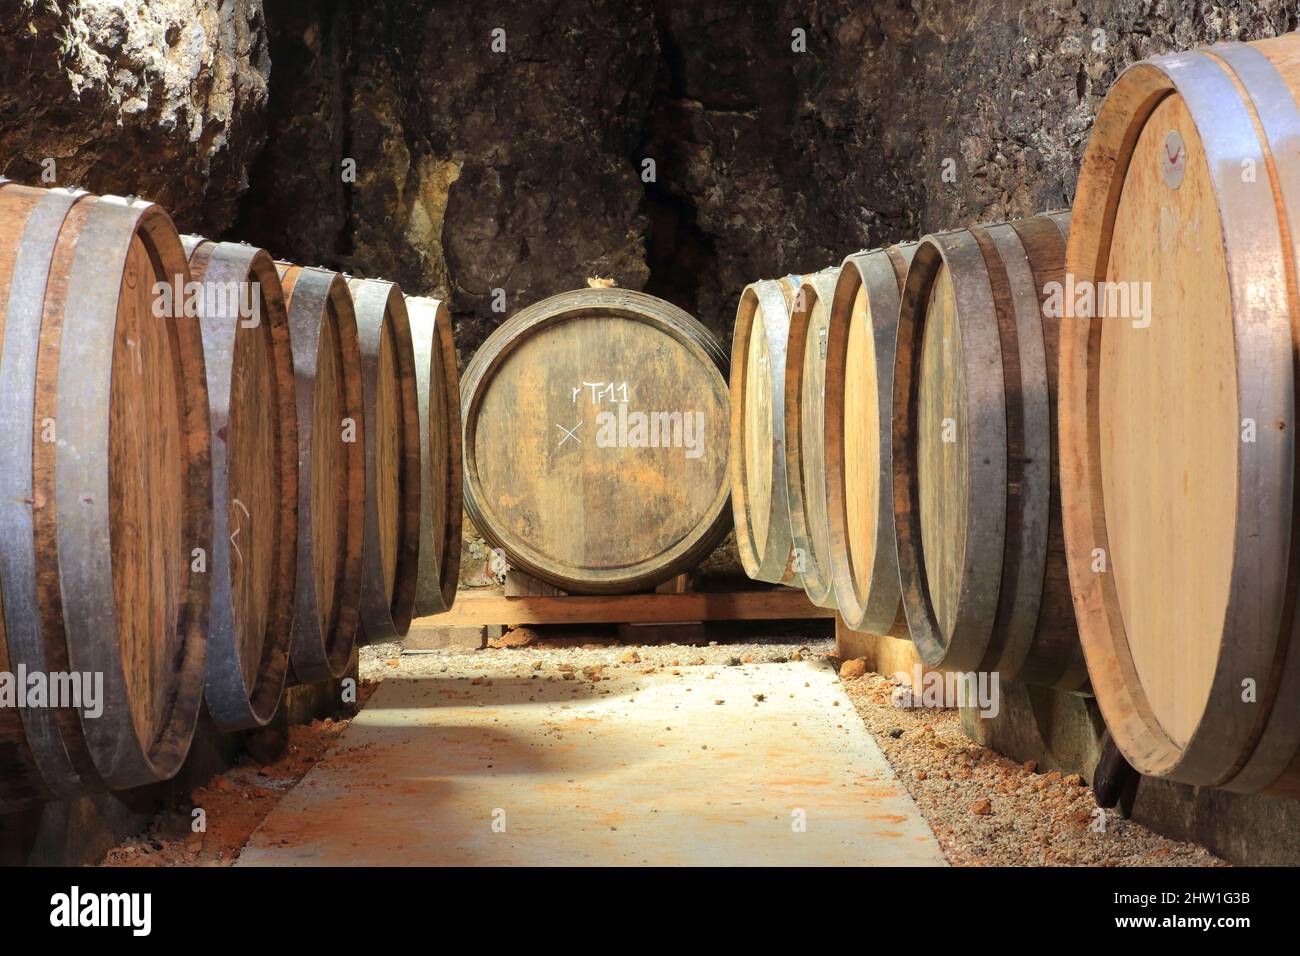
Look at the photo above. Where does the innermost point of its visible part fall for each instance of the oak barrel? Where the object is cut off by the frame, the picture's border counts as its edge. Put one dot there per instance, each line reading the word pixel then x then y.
pixel 805 469
pixel 20 777
pixel 976 508
pixel 596 440
pixel 251 399
pixel 858 429
pixel 1178 415
pixel 441 476
pixel 106 508
pixel 759 501
pixel 331 470
pixel 391 549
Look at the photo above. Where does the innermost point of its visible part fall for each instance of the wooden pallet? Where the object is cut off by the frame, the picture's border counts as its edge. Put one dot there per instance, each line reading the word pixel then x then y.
pixel 527 601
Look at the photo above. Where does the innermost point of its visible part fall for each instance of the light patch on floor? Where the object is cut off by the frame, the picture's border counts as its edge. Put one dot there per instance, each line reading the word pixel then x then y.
pixel 637 769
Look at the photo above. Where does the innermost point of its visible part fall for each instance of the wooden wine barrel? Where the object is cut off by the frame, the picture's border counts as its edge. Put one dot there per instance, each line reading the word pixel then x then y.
pixel 805 467
pixel 976 511
pixel 391 549
pixel 1178 419
pixel 759 501
pixel 441 476
pixel 858 430
pixel 21 782
pixel 251 398
pixel 596 440
pixel 106 510
pixel 331 470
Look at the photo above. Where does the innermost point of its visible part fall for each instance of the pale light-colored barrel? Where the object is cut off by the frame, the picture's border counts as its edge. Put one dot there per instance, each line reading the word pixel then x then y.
pixel 441 476
pixel 858 428
pixel 759 501
pixel 1178 418
pixel 391 550
pixel 805 382
pixel 976 515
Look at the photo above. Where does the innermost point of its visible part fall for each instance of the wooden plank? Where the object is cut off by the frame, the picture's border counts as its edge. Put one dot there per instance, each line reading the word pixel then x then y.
pixel 473 637
pixel 886 654
pixel 678 585
pixel 522 584
pixel 495 608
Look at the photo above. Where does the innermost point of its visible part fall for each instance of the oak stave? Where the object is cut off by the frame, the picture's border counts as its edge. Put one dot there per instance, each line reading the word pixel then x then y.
pixel 441 475
pixel 331 470
pixel 391 549
pixel 97 528
pixel 1202 517
pixel 564 510
pixel 759 499
pixel 977 518
pixel 805 369
pixel 862 329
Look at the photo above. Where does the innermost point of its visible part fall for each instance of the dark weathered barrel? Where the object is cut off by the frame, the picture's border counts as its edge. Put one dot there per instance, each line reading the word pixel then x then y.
pixel 106 508
pixel 858 429
pixel 331 470
pixel 805 470
pixel 441 477
pixel 976 513
pixel 596 440
pixel 391 552
pixel 759 501
pixel 1178 415
pixel 254 478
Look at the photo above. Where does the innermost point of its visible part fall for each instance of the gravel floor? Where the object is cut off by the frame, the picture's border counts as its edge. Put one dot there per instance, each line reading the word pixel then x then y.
pixel 985 809
pixel 386 660
pixel 988 810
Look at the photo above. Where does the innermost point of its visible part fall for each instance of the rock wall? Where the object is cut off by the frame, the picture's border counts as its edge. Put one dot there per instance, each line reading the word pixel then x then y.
pixel 495 153
pixel 900 118
pixel 482 161
pixel 158 98
pixel 783 134
pixel 1011 97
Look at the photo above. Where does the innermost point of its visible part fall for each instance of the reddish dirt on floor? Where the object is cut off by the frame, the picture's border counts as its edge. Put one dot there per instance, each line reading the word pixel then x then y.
pixel 234 803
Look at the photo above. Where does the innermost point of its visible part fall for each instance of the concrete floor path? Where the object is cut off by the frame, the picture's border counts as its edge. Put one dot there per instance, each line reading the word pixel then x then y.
pixel 764 764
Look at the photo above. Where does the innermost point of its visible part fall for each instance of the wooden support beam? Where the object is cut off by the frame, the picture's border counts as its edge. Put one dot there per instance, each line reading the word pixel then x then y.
pixel 471 638
pixel 883 653
pixel 521 584
pixel 492 607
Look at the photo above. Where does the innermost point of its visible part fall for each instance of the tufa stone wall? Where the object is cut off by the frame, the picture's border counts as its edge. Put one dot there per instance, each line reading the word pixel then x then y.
pixel 165 99
pixel 784 135
pixel 521 169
